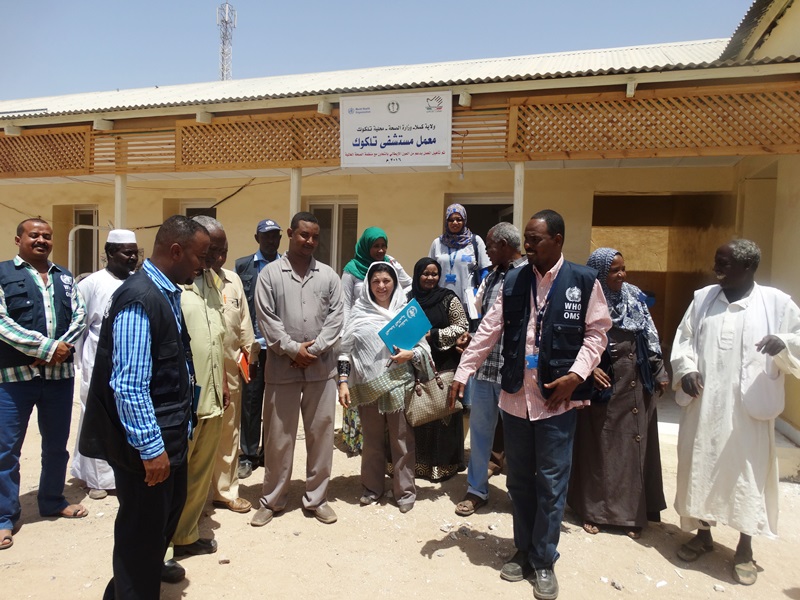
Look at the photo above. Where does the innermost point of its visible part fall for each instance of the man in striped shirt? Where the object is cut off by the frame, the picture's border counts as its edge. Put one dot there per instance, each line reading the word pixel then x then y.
pixel 139 407
pixel 41 316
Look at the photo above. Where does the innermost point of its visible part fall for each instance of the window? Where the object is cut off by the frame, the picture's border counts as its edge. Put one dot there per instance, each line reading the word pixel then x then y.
pixel 338 225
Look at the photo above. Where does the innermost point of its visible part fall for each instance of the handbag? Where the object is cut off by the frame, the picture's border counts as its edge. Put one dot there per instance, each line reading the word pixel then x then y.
pixel 427 401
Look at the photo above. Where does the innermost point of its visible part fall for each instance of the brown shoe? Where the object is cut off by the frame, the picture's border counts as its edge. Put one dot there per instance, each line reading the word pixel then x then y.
pixel 324 514
pixel 240 505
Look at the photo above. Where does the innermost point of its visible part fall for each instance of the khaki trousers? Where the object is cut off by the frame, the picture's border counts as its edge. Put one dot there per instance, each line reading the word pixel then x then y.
pixel 373 453
pixel 202 454
pixel 225 477
pixel 283 405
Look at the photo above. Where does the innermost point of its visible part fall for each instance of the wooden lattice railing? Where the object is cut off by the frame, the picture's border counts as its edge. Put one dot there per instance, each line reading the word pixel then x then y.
pixel 677 123
pixel 308 139
pixel 41 152
pixel 746 120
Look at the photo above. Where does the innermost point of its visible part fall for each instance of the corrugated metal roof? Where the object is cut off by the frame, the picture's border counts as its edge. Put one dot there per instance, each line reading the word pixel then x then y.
pixel 750 21
pixel 635 59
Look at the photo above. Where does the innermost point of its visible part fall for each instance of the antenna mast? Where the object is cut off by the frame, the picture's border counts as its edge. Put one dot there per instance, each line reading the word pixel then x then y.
pixel 226 20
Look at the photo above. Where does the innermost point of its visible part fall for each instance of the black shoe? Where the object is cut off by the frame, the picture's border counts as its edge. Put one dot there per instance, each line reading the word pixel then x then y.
pixel 201 546
pixel 517 567
pixel 245 469
pixel 545 585
pixel 172 572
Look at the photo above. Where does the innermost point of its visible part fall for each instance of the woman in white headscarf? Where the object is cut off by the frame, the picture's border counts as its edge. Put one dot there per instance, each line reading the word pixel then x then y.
pixel 378 382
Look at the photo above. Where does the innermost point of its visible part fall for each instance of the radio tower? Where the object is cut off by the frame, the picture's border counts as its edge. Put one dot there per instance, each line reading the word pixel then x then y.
pixel 226 20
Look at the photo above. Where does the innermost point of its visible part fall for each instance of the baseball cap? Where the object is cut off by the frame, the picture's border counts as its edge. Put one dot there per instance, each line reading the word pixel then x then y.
pixel 267 225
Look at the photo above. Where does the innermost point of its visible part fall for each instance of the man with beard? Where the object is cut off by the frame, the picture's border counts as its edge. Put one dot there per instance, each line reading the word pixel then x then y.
pixel 122 254
pixel 139 408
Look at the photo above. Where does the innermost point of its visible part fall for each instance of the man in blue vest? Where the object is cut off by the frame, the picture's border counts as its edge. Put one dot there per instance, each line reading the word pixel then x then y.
pixel 41 316
pixel 139 408
pixel 553 318
pixel 268 236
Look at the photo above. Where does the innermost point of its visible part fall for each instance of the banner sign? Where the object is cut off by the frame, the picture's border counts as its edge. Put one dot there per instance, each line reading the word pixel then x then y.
pixel 398 130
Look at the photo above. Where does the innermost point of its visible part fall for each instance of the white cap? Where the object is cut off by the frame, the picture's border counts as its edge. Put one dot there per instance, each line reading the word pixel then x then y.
pixel 121 236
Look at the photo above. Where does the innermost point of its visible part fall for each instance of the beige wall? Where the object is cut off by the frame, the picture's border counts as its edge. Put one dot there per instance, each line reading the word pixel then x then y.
pixel 786 250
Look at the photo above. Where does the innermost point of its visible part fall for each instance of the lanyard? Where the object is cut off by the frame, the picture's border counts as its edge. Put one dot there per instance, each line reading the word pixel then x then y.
pixel 540 311
pixel 452 256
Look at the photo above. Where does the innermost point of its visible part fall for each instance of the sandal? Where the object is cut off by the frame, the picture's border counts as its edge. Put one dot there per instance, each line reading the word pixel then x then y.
pixel 634 533
pixel 591 528
pixel 73 511
pixel 469 505
pixel 694 549
pixel 745 573
pixel 7 541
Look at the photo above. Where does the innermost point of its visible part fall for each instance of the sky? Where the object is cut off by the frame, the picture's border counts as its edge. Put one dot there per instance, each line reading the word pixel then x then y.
pixel 56 47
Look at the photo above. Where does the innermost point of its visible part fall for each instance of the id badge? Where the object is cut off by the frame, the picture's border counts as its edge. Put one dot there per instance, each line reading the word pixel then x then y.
pixel 531 361
pixel 450 278
pixel 466 258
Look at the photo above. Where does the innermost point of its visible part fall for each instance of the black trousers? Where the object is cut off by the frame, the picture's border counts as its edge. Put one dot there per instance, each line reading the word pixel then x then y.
pixel 145 524
pixel 252 408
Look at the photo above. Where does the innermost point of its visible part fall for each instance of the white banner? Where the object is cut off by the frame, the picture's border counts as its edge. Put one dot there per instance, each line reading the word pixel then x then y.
pixel 401 130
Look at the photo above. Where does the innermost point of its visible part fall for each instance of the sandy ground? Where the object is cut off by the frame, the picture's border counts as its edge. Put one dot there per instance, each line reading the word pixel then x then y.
pixel 377 552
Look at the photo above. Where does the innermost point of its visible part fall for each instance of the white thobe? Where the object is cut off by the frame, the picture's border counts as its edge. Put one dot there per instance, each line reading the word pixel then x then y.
pixel 727 463
pixel 96 290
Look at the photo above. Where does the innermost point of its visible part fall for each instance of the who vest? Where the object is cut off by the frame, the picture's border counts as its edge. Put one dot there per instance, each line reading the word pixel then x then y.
pixel 25 306
pixel 102 433
pixel 563 326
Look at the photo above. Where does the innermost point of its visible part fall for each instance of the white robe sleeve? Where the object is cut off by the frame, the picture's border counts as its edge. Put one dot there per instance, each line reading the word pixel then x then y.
pixel 788 359
pixel 683 357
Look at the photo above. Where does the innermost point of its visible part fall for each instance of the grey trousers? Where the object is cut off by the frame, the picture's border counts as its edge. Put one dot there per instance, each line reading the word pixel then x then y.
pixel 283 405
pixel 373 453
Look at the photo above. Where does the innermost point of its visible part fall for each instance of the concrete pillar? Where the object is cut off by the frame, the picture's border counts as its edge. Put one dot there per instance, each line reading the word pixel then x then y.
pixel 295 191
pixel 120 200
pixel 519 194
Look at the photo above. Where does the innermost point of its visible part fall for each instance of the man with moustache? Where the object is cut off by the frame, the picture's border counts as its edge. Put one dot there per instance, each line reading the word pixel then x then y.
pixel 41 316
pixel 139 408
pixel 201 302
pixel 268 237
pixel 239 341
pixel 300 309
pixel 553 318
pixel 122 254
pixel 731 351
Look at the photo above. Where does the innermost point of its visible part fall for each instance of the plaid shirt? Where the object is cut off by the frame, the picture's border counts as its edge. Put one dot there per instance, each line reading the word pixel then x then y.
pixel 33 343
pixel 492 285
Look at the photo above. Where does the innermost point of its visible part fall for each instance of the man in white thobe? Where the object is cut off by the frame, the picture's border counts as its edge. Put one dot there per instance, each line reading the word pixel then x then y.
pixel 122 254
pixel 732 348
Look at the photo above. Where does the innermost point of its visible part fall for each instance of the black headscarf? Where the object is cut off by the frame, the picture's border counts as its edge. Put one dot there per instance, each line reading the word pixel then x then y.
pixel 431 301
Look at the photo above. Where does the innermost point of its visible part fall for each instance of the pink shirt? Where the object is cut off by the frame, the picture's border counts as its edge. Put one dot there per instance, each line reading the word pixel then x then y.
pixel 528 401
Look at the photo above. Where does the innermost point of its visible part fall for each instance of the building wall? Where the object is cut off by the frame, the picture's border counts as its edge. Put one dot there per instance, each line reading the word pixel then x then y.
pixel 783 40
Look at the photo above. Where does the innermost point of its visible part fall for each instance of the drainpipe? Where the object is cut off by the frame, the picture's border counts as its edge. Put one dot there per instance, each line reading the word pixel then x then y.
pixel 295 191
pixel 519 194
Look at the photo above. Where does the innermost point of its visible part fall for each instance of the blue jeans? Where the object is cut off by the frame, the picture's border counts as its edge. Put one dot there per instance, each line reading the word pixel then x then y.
pixel 53 401
pixel 539 458
pixel 482 423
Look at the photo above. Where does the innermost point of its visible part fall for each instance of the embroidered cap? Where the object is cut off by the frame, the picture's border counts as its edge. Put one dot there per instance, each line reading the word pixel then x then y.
pixel 267 225
pixel 121 236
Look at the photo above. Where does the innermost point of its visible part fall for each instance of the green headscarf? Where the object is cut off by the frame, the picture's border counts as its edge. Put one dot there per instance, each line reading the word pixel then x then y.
pixel 358 266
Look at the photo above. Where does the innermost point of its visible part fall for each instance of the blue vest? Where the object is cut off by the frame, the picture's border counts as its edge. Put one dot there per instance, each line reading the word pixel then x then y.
pixel 102 434
pixel 25 305
pixel 562 328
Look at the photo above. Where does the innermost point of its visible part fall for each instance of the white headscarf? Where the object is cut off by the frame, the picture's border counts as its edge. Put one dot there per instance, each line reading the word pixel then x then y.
pixel 360 340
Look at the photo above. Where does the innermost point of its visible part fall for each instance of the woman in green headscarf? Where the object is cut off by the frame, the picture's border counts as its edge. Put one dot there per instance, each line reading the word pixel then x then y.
pixel 370 247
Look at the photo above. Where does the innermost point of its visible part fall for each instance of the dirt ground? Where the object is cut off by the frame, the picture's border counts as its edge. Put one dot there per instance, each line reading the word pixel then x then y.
pixel 377 552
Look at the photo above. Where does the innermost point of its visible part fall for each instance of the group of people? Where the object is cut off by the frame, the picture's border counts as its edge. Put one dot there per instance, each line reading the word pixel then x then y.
pixel 193 376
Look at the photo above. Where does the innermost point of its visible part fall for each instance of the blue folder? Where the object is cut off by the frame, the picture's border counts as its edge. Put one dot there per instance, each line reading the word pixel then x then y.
pixel 407 328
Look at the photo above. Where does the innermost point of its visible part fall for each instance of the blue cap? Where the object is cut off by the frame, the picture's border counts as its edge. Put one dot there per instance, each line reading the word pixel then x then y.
pixel 267 225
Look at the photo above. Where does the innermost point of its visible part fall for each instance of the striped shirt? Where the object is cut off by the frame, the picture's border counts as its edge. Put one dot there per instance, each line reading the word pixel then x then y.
pixel 491 287
pixel 528 402
pixel 33 343
pixel 132 368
